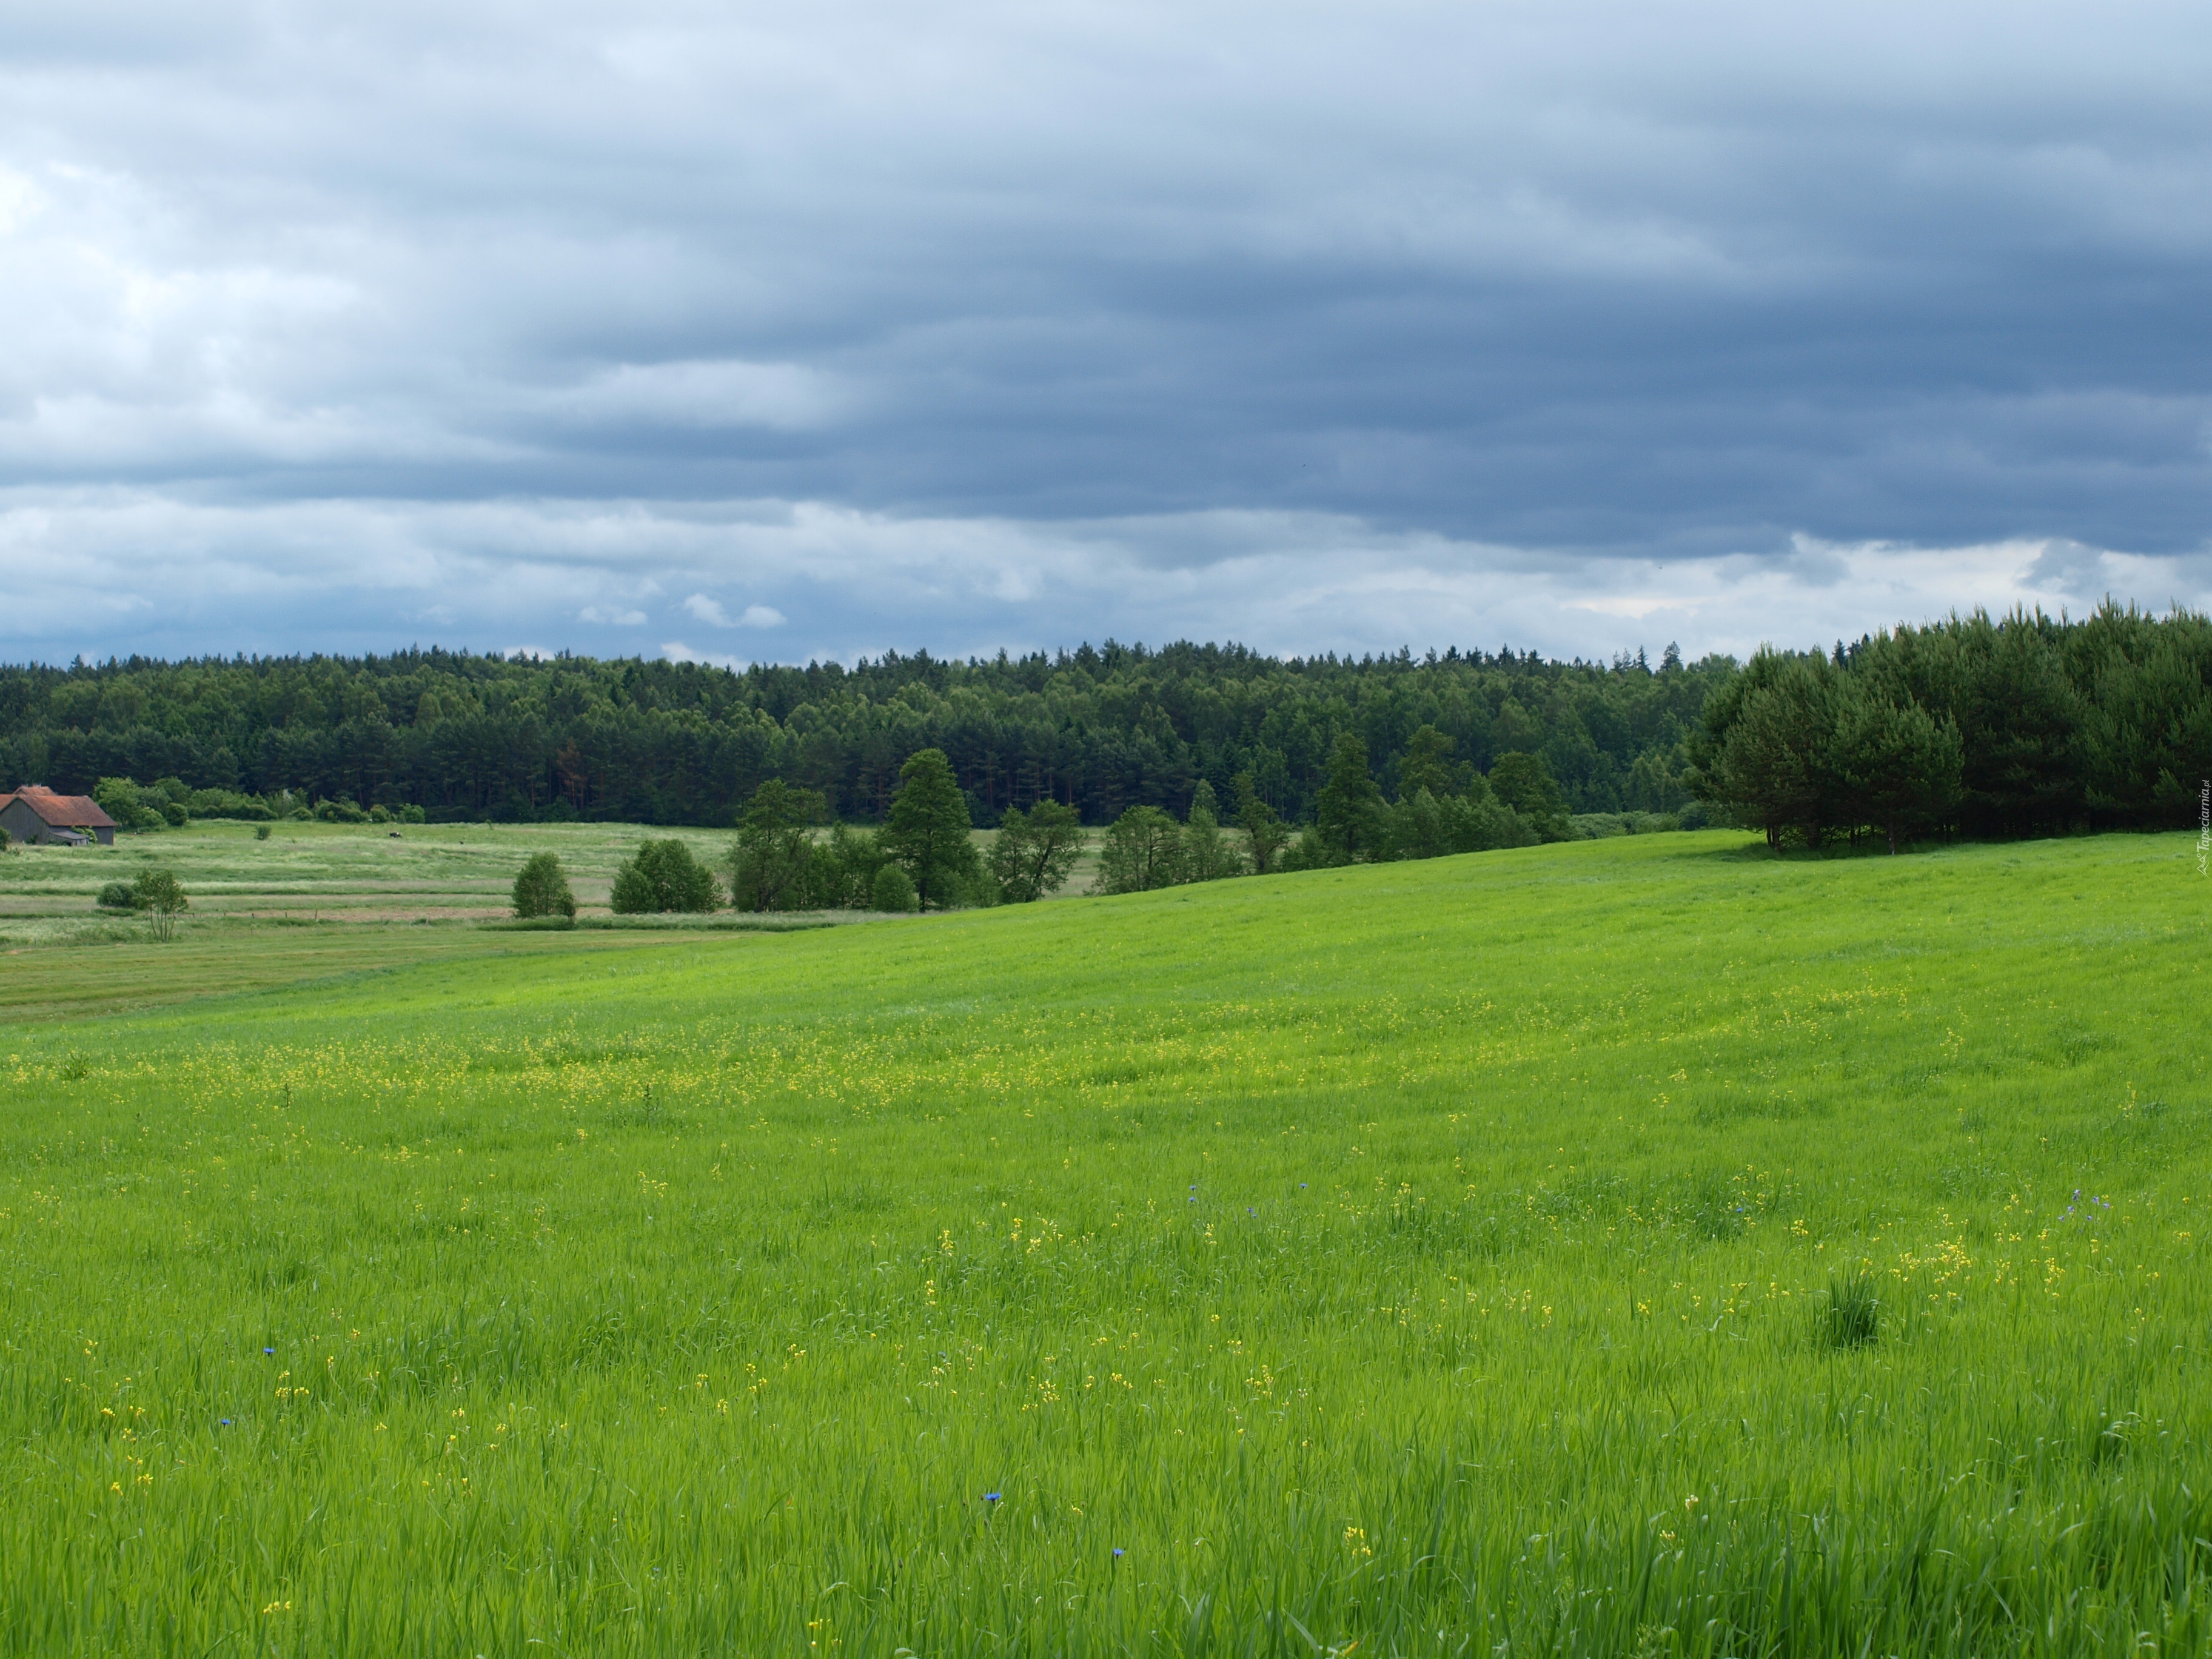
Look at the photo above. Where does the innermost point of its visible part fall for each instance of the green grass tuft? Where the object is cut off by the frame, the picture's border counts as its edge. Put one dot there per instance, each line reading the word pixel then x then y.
pixel 1851 1316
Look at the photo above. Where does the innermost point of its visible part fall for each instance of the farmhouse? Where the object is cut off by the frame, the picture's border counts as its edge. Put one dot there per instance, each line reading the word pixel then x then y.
pixel 35 814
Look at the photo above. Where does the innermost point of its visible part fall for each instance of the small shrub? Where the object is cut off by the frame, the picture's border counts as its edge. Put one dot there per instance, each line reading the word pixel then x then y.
pixel 261 832
pixel 664 876
pixel 894 888
pixel 1851 1317
pixel 176 815
pixel 410 814
pixel 380 815
pixel 542 889
pixel 116 896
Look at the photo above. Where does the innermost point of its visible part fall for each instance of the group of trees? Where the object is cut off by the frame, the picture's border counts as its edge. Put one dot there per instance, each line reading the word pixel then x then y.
pixel 1974 726
pixel 924 854
pixel 2100 722
pixel 1098 730
pixel 1443 807
pixel 157 894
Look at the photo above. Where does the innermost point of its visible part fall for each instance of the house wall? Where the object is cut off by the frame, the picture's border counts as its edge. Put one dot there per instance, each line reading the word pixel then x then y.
pixel 22 823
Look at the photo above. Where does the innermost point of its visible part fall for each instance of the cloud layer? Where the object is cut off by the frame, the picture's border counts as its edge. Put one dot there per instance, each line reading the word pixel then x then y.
pixel 813 330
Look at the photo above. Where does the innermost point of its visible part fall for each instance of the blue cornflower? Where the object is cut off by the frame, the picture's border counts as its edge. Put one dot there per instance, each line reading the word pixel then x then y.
pixel 1249 1210
pixel 269 1350
pixel 991 1496
pixel 1302 1186
pixel 225 1422
pixel 1117 1554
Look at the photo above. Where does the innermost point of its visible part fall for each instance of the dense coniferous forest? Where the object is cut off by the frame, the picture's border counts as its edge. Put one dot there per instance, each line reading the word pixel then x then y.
pixel 1974 726
pixel 1099 729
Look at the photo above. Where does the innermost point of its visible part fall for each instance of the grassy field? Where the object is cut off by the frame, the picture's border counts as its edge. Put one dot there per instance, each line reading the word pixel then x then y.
pixel 312 902
pixel 1639 1246
pixel 413 875
pixel 313 873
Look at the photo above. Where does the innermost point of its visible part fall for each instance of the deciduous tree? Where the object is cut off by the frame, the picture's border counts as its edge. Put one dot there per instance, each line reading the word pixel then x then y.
pixel 771 865
pixel 1034 852
pixel 1349 815
pixel 1143 851
pixel 158 893
pixel 541 888
pixel 664 876
pixel 927 831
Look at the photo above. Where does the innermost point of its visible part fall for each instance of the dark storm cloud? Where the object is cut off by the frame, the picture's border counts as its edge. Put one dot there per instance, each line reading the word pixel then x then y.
pixel 819 330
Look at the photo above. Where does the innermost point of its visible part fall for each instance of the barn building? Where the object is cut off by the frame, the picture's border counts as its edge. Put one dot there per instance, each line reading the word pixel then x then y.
pixel 34 813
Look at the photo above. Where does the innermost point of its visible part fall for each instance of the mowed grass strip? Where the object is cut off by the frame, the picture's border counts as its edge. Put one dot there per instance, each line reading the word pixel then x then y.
pixel 1608 1248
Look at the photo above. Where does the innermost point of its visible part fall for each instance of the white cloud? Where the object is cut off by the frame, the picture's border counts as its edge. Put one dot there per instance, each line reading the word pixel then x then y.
pixel 708 610
pixel 611 615
pixel 372 575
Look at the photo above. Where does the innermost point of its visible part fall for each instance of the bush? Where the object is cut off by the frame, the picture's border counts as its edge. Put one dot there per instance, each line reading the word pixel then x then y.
pixel 380 815
pixel 116 896
pixel 542 889
pixel 662 876
pixel 894 888
pixel 176 815
pixel 340 810
pixel 225 803
pixel 410 814
pixel 124 801
pixel 261 832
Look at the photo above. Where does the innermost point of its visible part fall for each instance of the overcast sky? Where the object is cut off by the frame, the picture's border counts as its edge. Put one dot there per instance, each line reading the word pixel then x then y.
pixel 768 332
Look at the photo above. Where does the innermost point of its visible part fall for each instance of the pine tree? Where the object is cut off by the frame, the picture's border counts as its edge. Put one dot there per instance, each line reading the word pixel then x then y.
pixel 1427 764
pixel 1901 766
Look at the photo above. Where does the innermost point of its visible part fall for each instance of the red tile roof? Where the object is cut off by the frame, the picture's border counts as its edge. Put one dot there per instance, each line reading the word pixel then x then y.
pixel 62 811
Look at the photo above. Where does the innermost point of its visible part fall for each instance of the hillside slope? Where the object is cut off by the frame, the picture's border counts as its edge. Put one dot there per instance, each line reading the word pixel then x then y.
pixel 1605 1246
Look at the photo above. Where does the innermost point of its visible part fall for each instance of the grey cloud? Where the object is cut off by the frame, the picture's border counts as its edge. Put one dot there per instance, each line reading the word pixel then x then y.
pixel 1019 324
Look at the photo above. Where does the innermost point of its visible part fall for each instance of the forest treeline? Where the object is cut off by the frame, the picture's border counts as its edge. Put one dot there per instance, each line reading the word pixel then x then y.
pixel 1097 729
pixel 1974 726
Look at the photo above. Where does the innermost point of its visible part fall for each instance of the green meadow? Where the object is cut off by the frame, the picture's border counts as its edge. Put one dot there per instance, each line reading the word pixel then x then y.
pixel 1639 1246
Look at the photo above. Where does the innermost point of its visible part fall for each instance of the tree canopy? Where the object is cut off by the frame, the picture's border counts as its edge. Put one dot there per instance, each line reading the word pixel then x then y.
pixel 2103 722
pixel 928 831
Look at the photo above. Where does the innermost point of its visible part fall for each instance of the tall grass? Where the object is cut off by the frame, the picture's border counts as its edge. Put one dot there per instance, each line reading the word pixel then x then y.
pixel 1615 1248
